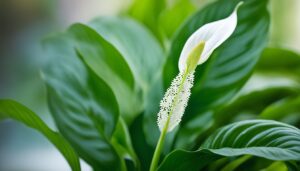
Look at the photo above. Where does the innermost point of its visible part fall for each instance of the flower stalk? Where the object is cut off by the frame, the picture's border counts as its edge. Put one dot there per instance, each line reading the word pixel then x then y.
pixel 197 49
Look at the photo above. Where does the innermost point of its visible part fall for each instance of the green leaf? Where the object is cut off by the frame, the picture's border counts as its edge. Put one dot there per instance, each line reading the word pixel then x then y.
pixel 263 138
pixel 10 109
pixel 174 15
pixel 253 103
pixel 83 106
pixel 121 140
pixel 236 163
pixel 229 67
pixel 278 166
pixel 285 111
pixel 284 62
pixel 142 148
pixel 137 45
pixel 147 12
pixel 101 57
pixel 145 58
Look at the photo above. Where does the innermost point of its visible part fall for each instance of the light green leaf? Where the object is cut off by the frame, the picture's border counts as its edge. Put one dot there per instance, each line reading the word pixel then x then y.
pixel 284 62
pixel 147 12
pixel 102 58
pixel 83 106
pixel 278 166
pixel 287 111
pixel 10 109
pixel 236 163
pixel 262 138
pixel 229 67
pixel 174 15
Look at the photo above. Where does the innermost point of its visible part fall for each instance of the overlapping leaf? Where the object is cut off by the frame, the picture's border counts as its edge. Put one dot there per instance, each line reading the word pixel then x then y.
pixel 102 58
pixel 83 106
pixel 263 138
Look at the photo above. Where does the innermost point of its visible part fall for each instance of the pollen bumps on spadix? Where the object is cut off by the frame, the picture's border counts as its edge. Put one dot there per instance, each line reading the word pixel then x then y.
pixel 175 101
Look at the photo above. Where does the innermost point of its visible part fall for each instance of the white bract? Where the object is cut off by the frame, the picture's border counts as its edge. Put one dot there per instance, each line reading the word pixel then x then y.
pixel 213 34
pixel 197 49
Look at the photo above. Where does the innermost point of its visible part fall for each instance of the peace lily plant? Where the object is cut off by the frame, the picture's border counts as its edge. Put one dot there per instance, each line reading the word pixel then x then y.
pixel 105 82
pixel 197 49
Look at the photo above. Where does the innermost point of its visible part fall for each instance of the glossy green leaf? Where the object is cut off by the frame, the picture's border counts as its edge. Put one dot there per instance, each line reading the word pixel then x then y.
pixel 83 106
pixel 109 65
pixel 229 67
pixel 263 138
pixel 10 109
pixel 139 48
pixel 137 45
pixel 145 58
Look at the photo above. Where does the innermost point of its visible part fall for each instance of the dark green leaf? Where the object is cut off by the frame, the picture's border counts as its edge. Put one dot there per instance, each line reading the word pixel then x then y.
pixel 143 150
pixel 253 103
pixel 83 106
pixel 121 140
pixel 12 110
pixel 229 67
pixel 263 138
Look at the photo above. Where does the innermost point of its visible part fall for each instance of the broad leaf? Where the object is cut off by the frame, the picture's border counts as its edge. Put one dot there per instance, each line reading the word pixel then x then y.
pixel 263 138
pixel 142 53
pixel 137 45
pixel 222 76
pixel 83 106
pixel 10 109
pixel 108 64
pixel 145 58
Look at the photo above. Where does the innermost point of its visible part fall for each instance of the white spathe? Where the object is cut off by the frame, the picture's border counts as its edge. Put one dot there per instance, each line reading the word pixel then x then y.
pixel 213 34
pixel 175 100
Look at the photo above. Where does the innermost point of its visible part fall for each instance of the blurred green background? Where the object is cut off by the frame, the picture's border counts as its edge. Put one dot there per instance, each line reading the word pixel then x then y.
pixel 23 23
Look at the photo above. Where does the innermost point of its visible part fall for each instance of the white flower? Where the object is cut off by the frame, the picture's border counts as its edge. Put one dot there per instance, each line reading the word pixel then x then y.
pixel 213 34
pixel 196 50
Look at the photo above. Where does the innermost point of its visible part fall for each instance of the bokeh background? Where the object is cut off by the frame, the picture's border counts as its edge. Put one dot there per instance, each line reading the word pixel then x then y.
pixel 24 23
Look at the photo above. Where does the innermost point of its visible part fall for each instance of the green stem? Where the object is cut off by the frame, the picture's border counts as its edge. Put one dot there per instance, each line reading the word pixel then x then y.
pixel 161 140
pixel 159 147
